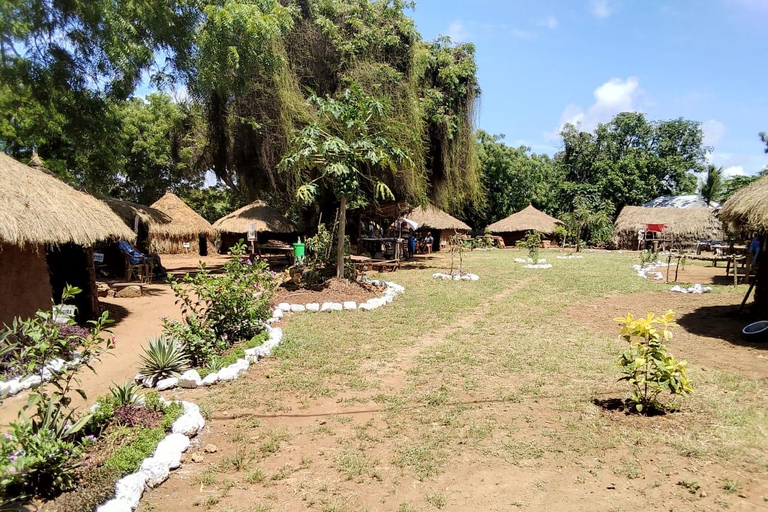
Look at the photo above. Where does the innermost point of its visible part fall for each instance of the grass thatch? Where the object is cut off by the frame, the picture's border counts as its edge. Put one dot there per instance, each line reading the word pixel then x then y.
pixel 264 218
pixel 185 221
pixel 747 209
pixel 430 217
pixel 128 211
pixel 527 219
pixel 686 225
pixel 38 208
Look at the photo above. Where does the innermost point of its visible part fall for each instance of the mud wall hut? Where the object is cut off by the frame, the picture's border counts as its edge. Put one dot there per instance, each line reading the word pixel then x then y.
pixel 685 225
pixel 514 228
pixel 440 224
pixel 268 224
pixel 47 230
pixel 746 212
pixel 184 232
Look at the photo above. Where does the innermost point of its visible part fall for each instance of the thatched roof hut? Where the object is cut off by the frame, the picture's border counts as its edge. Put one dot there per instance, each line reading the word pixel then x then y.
pixel 263 217
pixel 747 209
pixel 686 225
pixel 37 208
pixel 185 231
pixel 514 227
pixel 47 229
pixel 429 217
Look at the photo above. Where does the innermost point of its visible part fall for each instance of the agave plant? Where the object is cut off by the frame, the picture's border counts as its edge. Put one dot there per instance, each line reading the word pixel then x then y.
pixel 163 358
pixel 125 394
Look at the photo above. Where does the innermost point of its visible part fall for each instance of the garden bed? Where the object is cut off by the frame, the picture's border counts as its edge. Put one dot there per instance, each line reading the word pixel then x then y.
pixel 333 290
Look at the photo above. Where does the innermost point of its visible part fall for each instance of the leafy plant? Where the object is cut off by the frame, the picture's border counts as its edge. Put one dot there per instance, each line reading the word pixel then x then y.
pixel 200 341
pixel 125 394
pixel 531 241
pixel 232 306
pixel 647 366
pixel 163 358
pixel 648 256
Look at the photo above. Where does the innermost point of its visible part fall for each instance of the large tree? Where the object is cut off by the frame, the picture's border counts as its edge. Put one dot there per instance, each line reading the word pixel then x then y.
pixel 350 150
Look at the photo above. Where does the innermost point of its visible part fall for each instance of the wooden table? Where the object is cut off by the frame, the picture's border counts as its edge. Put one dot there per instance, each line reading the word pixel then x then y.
pixel 287 250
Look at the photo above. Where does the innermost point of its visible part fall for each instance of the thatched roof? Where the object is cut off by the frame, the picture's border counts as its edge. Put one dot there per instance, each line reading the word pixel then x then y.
pixel 527 219
pixel 433 218
pixel 264 218
pixel 38 208
pixel 747 209
pixel 184 221
pixel 128 211
pixel 685 224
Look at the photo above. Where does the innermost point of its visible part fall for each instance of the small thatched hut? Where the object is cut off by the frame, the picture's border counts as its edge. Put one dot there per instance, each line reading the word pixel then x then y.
pixel 47 229
pixel 686 226
pixel 440 224
pixel 138 218
pixel 747 212
pixel 514 227
pixel 265 219
pixel 185 232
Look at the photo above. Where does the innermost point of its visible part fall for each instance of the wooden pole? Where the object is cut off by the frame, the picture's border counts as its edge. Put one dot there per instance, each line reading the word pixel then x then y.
pixel 340 246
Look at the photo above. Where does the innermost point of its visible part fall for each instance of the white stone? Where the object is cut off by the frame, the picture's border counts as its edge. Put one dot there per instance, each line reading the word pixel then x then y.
pixel 168 383
pixel 138 378
pixel 474 277
pixel 365 306
pixel 276 334
pixel 156 470
pixel 298 308
pixel 115 506
pixel 190 379
pixel 56 365
pixel 210 379
pixel 148 382
pixel 31 381
pixel 130 488
pixel 541 261
pixel 313 306
pixel 189 423
pixel 170 449
pixel 229 373
pixel 14 387
pixel 278 313
pixel 284 306
pixel 520 260
pixel 349 304
pixel 4 387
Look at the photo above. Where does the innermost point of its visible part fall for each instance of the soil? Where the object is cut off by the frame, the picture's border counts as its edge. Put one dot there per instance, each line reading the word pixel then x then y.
pixel 333 290
pixel 709 332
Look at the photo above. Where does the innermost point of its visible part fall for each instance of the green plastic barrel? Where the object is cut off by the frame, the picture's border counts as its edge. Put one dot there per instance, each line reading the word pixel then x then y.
pixel 298 250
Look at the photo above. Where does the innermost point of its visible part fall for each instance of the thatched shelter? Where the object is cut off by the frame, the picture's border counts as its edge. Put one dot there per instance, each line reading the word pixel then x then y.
pixel 686 226
pixel 138 218
pixel 266 221
pixel 185 232
pixel 47 229
pixel 514 227
pixel 440 224
pixel 746 212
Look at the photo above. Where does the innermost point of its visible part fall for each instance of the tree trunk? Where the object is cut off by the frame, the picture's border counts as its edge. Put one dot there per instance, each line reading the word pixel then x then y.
pixel 340 246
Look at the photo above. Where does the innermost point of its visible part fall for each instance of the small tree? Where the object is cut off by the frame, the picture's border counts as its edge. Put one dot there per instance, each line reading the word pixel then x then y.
pixel 713 186
pixel 588 217
pixel 348 150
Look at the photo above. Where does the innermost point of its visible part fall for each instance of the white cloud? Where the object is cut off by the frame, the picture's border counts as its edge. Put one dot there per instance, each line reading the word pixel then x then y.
pixel 550 22
pixel 713 132
pixel 614 96
pixel 523 34
pixel 600 8
pixel 736 170
pixel 457 32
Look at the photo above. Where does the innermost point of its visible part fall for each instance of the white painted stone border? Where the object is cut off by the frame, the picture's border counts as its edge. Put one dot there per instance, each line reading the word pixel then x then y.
pixel 695 289
pixel 570 257
pixel 455 277
pixel 33 380
pixel 155 470
pixel 649 269
pixel 191 378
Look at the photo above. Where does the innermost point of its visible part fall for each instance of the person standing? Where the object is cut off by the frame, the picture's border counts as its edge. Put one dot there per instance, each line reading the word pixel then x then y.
pixel 429 241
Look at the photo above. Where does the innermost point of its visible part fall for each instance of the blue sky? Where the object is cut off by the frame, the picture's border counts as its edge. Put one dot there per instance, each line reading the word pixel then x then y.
pixel 542 63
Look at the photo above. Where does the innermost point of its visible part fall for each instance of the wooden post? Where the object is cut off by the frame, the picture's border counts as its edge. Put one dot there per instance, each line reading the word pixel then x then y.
pixel 735 270
pixel 340 246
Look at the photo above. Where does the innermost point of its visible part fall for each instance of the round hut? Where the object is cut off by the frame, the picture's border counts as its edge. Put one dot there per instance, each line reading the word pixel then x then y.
pixel 47 230
pixel 440 224
pixel 684 226
pixel 514 228
pixel 746 212
pixel 138 218
pixel 265 220
pixel 184 232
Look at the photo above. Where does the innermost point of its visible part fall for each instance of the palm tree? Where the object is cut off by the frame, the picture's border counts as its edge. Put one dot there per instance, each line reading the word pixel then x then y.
pixel 713 185
pixel 347 150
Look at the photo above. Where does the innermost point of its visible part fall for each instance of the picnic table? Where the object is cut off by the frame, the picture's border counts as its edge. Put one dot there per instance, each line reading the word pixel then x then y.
pixel 282 249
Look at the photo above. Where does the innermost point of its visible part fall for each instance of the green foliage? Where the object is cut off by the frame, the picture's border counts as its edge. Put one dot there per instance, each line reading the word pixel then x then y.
pixel 235 353
pixel 647 366
pixel 125 394
pixel 712 187
pixel 232 305
pixel 212 203
pixel 163 358
pixel 736 183
pixel 36 461
pixel 590 217
pixel 94 487
pixel 199 340
pixel 532 242
pixel 129 457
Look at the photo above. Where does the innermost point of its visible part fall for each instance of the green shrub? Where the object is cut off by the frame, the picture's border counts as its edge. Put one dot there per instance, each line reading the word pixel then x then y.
pixel 531 241
pixel 163 358
pixel 235 353
pixel 125 394
pixel 94 487
pixel 232 305
pixel 200 341
pixel 647 365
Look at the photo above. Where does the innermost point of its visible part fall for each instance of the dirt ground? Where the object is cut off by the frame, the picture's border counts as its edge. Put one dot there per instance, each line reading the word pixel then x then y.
pixel 333 291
